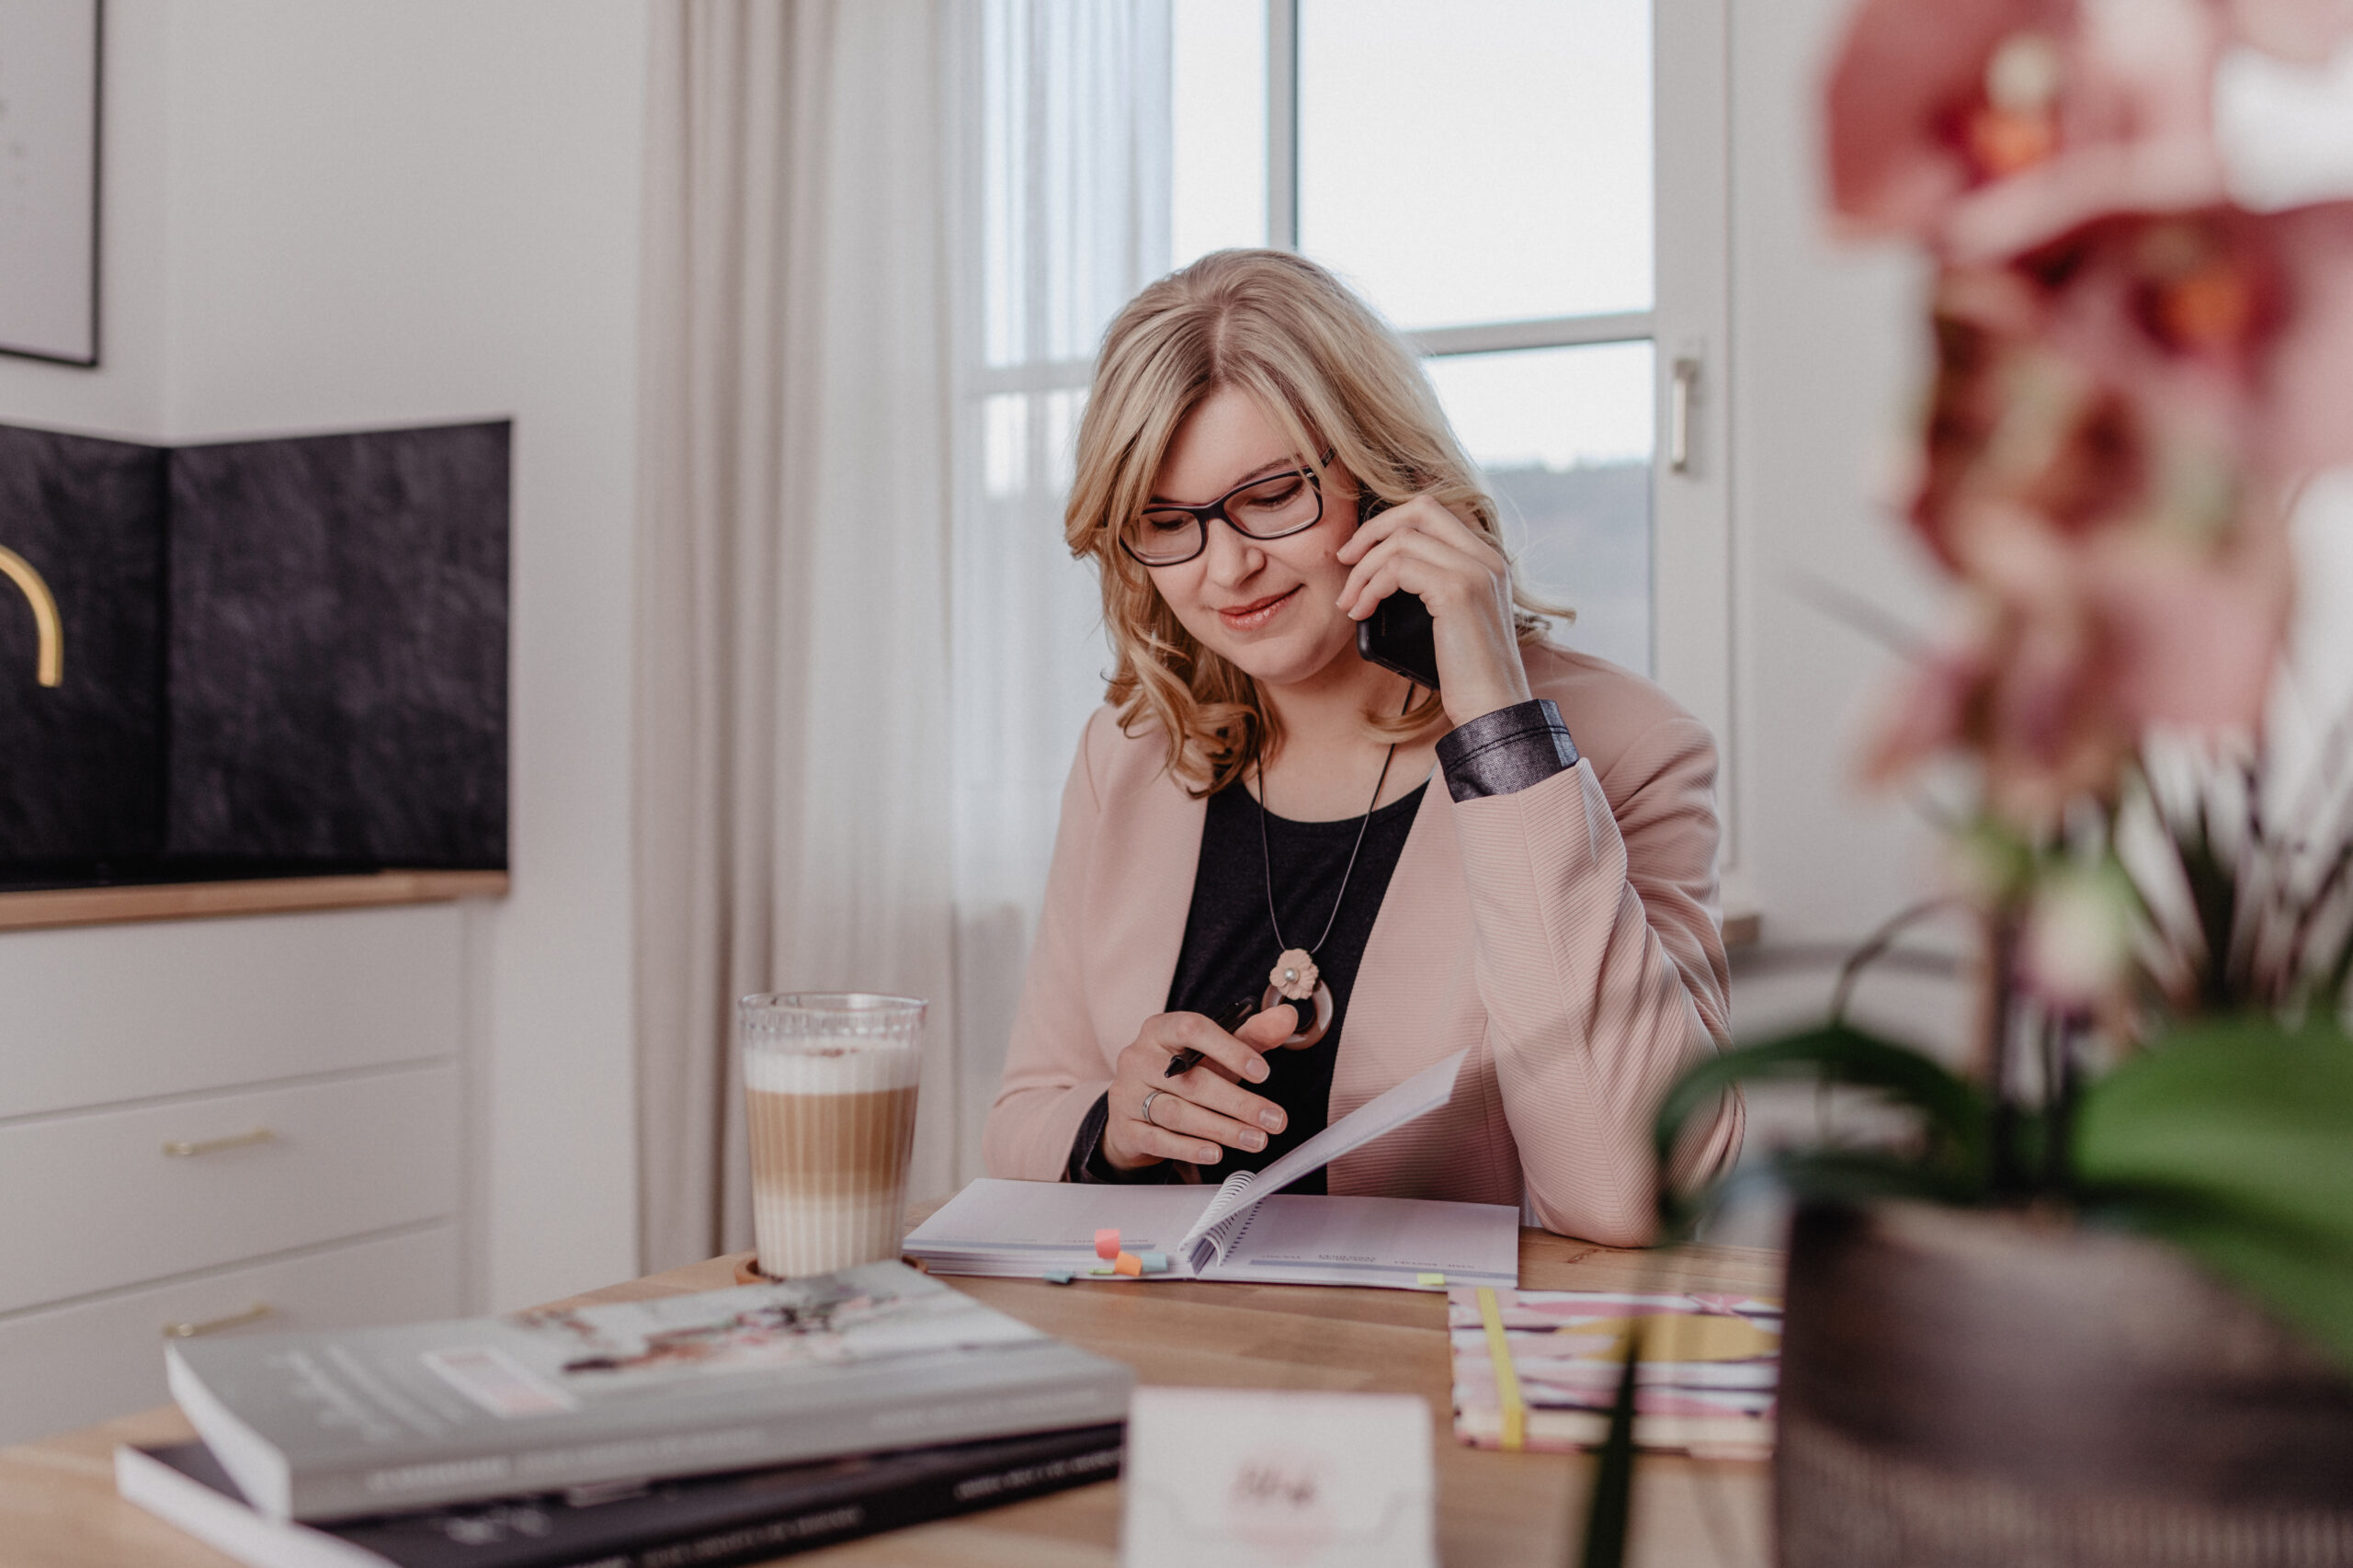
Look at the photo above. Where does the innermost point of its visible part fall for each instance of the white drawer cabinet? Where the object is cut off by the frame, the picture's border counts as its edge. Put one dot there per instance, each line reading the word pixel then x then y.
pixel 67 1367
pixel 106 1197
pixel 342 1035
pixel 92 1016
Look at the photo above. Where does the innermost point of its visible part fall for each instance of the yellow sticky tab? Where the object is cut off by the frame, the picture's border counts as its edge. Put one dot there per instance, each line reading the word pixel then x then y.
pixel 1515 1435
pixel 1431 1281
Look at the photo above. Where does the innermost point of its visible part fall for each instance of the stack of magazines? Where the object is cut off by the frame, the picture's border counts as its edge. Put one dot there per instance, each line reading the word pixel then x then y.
pixel 1540 1369
pixel 730 1426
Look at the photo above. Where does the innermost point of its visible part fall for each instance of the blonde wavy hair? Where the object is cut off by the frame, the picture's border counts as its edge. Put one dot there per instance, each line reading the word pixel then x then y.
pixel 1333 378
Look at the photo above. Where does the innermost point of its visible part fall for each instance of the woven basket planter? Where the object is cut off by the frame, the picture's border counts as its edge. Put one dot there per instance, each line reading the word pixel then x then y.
pixel 1963 1387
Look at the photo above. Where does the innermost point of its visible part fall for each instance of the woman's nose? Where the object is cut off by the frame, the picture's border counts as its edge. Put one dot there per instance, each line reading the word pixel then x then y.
pixel 1232 556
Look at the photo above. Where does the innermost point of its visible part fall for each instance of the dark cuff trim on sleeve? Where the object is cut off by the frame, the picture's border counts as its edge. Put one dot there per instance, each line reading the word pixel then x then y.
pixel 1086 1162
pixel 1506 751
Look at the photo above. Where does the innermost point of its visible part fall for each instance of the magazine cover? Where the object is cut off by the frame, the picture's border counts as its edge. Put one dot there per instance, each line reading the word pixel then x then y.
pixel 337 1424
pixel 564 1358
pixel 1710 1366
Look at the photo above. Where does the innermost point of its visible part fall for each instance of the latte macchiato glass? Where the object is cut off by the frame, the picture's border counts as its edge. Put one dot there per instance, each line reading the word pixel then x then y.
pixel 829 1096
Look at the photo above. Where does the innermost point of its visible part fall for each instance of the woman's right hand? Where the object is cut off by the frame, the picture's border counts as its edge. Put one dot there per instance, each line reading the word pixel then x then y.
pixel 1203 1111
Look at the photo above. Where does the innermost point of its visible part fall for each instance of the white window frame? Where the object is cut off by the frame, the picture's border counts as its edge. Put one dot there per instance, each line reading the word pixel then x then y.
pixel 1689 325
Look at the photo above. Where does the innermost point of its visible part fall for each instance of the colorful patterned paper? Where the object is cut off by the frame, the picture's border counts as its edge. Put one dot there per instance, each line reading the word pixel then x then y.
pixel 1707 1383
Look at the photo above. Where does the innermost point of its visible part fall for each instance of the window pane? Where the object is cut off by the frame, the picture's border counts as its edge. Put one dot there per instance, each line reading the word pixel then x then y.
pixel 1564 436
pixel 1218 174
pixel 1073 201
pixel 1482 160
pixel 1026 678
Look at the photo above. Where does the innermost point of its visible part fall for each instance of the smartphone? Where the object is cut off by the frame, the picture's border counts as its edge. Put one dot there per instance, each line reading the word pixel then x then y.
pixel 1399 634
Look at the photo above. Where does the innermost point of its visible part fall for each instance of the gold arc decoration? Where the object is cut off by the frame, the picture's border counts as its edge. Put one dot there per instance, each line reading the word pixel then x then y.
pixel 50 668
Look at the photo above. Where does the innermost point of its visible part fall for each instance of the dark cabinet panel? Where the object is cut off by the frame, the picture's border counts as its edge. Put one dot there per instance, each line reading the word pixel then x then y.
pixel 280 655
pixel 337 648
pixel 81 762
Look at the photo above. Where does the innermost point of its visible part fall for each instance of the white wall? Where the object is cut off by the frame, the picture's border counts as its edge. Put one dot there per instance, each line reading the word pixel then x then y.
pixel 1829 347
pixel 1828 351
pixel 384 212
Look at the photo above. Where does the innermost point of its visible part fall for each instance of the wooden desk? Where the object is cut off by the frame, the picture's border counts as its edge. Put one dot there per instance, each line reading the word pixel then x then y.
pixel 58 1508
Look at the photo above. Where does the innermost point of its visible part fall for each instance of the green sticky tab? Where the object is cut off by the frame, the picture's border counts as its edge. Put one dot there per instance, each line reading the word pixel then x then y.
pixel 1431 1281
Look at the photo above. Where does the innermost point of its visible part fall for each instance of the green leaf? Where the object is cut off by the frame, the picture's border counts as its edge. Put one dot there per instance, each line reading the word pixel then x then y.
pixel 1953 1110
pixel 1862 1176
pixel 2299 1277
pixel 2238 1114
pixel 2232 1137
pixel 1609 1511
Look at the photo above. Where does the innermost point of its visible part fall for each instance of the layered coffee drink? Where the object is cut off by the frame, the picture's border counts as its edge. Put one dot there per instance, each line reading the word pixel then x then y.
pixel 829 1087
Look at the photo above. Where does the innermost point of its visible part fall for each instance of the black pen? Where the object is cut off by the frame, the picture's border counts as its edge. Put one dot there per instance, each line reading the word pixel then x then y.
pixel 1232 1018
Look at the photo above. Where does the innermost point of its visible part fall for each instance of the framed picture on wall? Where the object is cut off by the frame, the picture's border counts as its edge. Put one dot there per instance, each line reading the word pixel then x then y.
pixel 49 179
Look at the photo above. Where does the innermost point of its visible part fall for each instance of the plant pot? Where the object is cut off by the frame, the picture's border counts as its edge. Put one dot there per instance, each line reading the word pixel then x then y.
pixel 1960 1387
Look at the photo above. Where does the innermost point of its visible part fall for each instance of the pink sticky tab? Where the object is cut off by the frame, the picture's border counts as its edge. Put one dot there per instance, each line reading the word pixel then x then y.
pixel 1129 1264
pixel 1107 1245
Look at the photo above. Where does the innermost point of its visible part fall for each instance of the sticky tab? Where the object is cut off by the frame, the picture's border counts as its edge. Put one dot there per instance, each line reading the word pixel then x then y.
pixel 1059 1277
pixel 1431 1281
pixel 1507 1390
pixel 1154 1262
pixel 1107 1245
pixel 1129 1264
pixel 1105 1268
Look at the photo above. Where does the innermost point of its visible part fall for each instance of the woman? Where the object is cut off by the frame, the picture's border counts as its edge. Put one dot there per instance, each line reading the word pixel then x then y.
pixel 1250 830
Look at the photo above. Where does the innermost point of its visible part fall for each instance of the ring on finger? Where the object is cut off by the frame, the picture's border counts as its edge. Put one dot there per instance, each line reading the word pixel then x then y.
pixel 1143 1111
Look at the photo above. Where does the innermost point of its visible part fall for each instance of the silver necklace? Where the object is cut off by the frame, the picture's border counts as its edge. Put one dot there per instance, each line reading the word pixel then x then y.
pixel 1295 977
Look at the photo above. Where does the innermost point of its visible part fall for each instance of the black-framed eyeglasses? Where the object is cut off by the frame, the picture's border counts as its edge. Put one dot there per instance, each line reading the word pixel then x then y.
pixel 1167 534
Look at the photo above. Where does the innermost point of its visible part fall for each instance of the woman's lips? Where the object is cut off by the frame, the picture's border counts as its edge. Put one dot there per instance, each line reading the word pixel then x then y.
pixel 1250 616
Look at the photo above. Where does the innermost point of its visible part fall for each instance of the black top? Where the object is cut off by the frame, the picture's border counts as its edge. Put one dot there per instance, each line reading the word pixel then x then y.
pixel 1230 943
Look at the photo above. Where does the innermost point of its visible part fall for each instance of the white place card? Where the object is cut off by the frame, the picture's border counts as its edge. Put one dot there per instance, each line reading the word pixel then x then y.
pixel 1277 1479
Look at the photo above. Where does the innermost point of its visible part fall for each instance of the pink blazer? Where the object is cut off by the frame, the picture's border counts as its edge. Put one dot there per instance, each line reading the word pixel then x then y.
pixel 1568 934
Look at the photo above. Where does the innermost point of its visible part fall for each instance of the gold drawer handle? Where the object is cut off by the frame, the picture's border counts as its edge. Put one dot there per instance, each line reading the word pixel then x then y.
pixel 253 1313
pixel 181 1148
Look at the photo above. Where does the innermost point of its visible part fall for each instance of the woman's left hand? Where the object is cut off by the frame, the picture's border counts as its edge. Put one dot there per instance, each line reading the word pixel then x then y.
pixel 1422 549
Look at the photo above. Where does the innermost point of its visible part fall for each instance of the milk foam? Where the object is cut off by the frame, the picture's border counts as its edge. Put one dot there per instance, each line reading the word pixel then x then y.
pixel 832 1064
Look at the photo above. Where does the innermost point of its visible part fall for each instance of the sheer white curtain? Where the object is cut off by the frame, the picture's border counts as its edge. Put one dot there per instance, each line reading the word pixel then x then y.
pixel 881 239
pixel 792 810
pixel 1064 216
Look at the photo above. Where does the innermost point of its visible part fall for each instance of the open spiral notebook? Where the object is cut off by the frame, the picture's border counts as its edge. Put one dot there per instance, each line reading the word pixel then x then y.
pixel 1245 1228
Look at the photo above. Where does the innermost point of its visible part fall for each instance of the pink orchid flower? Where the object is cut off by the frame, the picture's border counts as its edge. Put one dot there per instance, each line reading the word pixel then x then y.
pixel 2119 567
pixel 2147 371
pixel 2020 695
pixel 1986 127
pixel 2237 326
pixel 2073 649
pixel 2016 427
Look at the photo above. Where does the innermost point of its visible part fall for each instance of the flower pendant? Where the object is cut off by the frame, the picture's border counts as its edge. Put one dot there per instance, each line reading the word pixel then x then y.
pixel 1294 975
